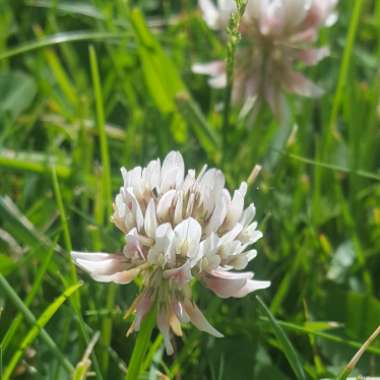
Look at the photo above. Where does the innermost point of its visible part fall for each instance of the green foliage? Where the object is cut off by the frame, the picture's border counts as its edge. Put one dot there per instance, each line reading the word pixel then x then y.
pixel 87 87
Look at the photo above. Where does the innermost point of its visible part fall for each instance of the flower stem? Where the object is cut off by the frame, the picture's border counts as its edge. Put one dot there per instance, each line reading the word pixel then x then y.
pixel 233 40
pixel 141 346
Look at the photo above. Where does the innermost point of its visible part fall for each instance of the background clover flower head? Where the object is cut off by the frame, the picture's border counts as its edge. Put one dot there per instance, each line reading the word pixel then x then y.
pixel 178 227
pixel 276 35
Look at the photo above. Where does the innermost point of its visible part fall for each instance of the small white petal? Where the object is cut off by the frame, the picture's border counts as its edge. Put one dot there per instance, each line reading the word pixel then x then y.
pixel 248 215
pixel 165 204
pixel 210 13
pixel 251 286
pixel 150 221
pixel 173 171
pixel 122 278
pixel 163 326
pixel 181 275
pixel 178 209
pixel 99 263
pixel 198 319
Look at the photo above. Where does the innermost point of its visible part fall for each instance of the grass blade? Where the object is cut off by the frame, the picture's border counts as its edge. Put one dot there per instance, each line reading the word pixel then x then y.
pixel 141 346
pixel 66 234
pixel 8 290
pixel 33 162
pixel 29 299
pixel 287 347
pixel 106 189
pixel 60 38
pixel 100 119
pixel 37 328
pixel 344 68
pixel 84 365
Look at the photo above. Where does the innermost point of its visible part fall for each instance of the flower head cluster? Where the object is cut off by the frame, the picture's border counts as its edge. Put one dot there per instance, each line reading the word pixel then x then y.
pixel 178 227
pixel 276 34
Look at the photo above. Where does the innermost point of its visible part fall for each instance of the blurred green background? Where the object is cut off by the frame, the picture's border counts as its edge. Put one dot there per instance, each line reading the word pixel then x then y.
pixel 89 86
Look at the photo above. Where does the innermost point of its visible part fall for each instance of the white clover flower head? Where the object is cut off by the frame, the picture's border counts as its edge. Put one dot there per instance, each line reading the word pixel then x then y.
pixel 178 227
pixel 276 34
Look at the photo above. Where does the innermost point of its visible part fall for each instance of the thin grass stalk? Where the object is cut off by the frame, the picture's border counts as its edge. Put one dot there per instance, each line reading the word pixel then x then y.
pixel 37 329
pixel 8 290
pixel 66 234
pixel 106 187
pixel 136 363
pixel 233 40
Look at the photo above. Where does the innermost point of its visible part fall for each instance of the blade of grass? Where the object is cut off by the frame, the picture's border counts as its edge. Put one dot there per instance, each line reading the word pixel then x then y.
pixel 83 366
pixel 354 361
pixel 321 334
pixel 309 161
pixel 66 234
pixel 33 162
pixel 8 290
pixel 142 342
pixel 37 328
pixel 286 345
pixel 344 70
pixel 206 136
pixel 22 228
pixel 60 38
pixel 59 72
pixel 106 189
pixel 100 120
pixel 233 40
pixel 29 299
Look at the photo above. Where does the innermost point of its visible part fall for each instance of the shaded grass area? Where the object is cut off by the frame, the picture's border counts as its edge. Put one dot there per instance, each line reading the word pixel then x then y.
pixel 88 87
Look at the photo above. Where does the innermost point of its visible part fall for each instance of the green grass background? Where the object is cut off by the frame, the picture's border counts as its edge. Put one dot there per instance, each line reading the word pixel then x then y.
pixel 89 86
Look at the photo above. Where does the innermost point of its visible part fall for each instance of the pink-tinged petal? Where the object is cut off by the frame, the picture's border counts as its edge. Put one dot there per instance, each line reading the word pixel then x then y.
pixel 181 275
pixel 173 171
pixel 297 83
pixel 305 36
pixel 165 204
pixel 142 308
pixel 118 216
pixel 180 312
pixel 99 263
pixel 210 13
pixel 227 275
pixel 150 221
pixel 251 286
pixel 311 57
pixel 198 319
pixel 219 81
pixel 275 98
pixel 174 322
pixel 213 68
pixel 133 246
pixel 122 278
pixel 163 326
pixel 223 287
pixel 134 216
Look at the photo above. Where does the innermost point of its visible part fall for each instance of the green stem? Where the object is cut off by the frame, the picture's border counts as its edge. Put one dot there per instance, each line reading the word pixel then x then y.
pixel 141 346
pixel 233 40
pixel 8 290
